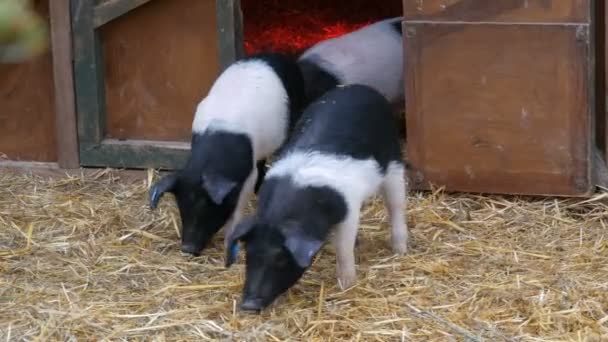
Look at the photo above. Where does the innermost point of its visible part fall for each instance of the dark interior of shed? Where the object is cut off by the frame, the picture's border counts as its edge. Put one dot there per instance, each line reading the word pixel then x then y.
pixel 292 26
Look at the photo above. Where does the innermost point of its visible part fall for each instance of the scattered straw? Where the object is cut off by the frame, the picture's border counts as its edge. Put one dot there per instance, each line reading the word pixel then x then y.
pixel 291 26
pixel 83 258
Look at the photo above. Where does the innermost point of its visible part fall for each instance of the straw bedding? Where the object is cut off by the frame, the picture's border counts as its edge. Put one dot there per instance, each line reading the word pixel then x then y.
pixel 83 258
pixel 291 26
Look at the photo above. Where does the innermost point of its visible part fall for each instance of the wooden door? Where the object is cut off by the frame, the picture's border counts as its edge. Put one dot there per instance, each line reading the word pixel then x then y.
pixel 500 95
pixel 141 67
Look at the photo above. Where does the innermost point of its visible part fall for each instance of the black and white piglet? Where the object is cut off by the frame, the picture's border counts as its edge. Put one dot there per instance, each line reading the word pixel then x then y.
pixel 371 55
pixel 345 149
pixel 246 117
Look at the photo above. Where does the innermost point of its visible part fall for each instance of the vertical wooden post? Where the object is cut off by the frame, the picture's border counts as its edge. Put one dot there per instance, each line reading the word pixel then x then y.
pixel 239 34
pixel 230 31
pixel 600 170
pixel 601 28
pixel 63 76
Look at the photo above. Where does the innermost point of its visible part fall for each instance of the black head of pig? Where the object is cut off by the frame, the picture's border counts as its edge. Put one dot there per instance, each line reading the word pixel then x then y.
pixel 208 188
pixel 203 212
pixel 277 257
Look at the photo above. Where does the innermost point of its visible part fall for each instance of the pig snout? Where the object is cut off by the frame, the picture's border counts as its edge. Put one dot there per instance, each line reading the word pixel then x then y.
pixel 191 249
pixel 252 304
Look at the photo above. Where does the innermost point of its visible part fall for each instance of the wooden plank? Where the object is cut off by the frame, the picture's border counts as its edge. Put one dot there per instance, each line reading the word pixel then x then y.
pixel 600 169
pixel 239 32
pixel 599 39
pixel 596 75
pixel 88 74
pixel 27 165
pixel 65 106
pixel 112 9
pixel 500 108
pixel 136 154
pixel 603 134
pixel 226 28
pixel 520 11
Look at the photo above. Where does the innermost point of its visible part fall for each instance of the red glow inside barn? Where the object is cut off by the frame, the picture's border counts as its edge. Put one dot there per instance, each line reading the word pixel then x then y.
pixel 292 26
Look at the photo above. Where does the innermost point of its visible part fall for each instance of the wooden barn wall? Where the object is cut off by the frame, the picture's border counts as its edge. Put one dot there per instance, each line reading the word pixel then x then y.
pixel 27 113
pixel 523 11
pixel 500 95
pixel 159 61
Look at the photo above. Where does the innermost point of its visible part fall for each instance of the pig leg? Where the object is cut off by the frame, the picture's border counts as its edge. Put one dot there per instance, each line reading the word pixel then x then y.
pixel 246 193
pixel 344 243
pixel 394 196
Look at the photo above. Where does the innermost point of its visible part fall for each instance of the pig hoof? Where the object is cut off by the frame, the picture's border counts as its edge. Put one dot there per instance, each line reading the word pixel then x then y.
pixel 400 248
pixel 252 305
pixel 400 242
pixel 347 281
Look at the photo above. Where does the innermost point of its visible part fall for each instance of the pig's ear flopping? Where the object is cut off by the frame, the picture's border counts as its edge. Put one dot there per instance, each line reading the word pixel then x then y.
pixel 157 190
pixel 302 246
pixel 232 246
pixel 217 186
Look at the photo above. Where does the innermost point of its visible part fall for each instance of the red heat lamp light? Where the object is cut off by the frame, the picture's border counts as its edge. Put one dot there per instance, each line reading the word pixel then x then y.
pixel 292 40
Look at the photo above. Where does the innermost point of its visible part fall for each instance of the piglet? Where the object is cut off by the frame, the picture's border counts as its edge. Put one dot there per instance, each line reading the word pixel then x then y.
pixel 246 117
pixel 345 149
pixel 372 55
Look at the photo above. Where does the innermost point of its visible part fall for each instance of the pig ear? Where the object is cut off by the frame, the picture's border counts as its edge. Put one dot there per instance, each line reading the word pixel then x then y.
pixel 218 187
pixel 232 246
pixel 157 190
pixel 302 246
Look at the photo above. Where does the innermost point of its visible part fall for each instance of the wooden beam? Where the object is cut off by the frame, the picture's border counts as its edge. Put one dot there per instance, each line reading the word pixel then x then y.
pixel 599 38
pixel 113 9
pixel 27 165
pixel 600 170
pixel 229 30
pixel 63 78
pixel 136 154
pixel 239 34
pixel 88 74
pixel 601 29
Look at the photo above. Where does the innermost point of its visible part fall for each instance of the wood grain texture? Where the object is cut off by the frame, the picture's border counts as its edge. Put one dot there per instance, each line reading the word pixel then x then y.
pixel 499 108
pixel 63 76
pixel 230 31
pixel 112 9
pixel 602 63
pixel 27 118
pixel 160 60
pixel 532 11
pixel 88 74
pixel 136 154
